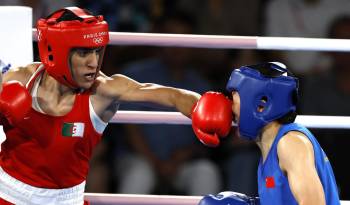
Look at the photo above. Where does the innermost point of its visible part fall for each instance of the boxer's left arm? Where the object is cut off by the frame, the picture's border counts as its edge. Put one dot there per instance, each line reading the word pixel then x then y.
pixel 121 88
pixel 297 160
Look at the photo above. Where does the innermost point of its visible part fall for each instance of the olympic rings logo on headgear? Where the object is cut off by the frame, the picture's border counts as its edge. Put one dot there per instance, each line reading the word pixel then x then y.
pixel 98 40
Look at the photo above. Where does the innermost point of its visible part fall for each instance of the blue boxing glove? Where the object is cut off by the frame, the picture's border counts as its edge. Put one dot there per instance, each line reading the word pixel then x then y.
pixel 229 197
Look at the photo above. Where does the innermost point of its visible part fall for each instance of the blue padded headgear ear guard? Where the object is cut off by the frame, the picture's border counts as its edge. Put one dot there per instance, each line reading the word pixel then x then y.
pixel 266 93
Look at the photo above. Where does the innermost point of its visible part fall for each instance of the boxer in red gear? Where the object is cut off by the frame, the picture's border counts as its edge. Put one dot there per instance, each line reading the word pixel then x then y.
pixel 45 158
pixel 212 118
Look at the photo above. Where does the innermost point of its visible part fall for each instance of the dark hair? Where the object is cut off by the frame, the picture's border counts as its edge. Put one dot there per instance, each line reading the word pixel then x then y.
pixel 336 23
pixel 176 15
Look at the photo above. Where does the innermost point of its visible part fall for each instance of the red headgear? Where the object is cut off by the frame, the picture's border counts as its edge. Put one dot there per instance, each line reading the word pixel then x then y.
pixel 57 37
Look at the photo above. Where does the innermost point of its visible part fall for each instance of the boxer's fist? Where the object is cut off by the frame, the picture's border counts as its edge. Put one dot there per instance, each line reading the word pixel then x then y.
pixel 15 101
pixel 212 118
pixel 229 197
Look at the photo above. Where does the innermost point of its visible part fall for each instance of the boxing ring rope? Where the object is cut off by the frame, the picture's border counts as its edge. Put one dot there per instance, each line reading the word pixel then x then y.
pixel 226 42
pixel 151 117
pixel 215 42
pixel 139 199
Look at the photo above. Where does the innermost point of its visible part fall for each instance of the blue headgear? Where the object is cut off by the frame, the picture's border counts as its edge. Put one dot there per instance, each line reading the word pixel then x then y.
pixel 266 93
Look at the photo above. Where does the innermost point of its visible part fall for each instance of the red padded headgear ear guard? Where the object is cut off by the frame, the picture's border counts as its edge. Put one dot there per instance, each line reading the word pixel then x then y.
pixel 56 38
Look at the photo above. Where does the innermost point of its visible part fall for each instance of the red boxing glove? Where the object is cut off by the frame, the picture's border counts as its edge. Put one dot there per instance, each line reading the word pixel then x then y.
pixel 15 101
pixel 212 118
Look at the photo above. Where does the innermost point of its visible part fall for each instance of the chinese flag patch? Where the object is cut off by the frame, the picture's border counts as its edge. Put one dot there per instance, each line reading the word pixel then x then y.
pixel 269 182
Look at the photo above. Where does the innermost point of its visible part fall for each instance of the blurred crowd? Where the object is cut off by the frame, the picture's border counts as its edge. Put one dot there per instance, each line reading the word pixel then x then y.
pixel 168 159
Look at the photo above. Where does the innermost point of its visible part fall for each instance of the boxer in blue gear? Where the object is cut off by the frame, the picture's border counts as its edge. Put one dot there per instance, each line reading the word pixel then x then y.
pixel 276 95
pixel 293 168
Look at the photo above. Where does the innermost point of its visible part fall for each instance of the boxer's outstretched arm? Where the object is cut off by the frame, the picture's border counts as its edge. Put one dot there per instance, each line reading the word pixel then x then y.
pixel 121 88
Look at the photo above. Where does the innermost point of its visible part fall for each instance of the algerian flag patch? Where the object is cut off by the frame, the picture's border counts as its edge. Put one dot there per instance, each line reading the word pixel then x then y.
pixel 75 129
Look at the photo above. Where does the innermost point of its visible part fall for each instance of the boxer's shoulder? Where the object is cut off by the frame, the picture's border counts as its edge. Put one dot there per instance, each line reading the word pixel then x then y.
pixel 22 73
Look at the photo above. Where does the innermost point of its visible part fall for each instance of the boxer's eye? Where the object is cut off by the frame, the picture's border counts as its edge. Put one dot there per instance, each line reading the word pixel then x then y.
pixel 82 52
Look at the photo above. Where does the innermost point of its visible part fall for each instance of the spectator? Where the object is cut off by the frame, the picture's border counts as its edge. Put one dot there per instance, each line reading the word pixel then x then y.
pixel 302 18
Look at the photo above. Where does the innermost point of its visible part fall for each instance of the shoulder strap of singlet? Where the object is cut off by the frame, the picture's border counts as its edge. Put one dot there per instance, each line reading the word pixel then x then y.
pixel 282 131
pixel 38 70
pixel 287 128
pixel 293 127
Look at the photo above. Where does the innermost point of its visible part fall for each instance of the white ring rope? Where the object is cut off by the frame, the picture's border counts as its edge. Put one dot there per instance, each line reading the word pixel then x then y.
pixel 136 199
pixel 149 117
pixel 226 42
